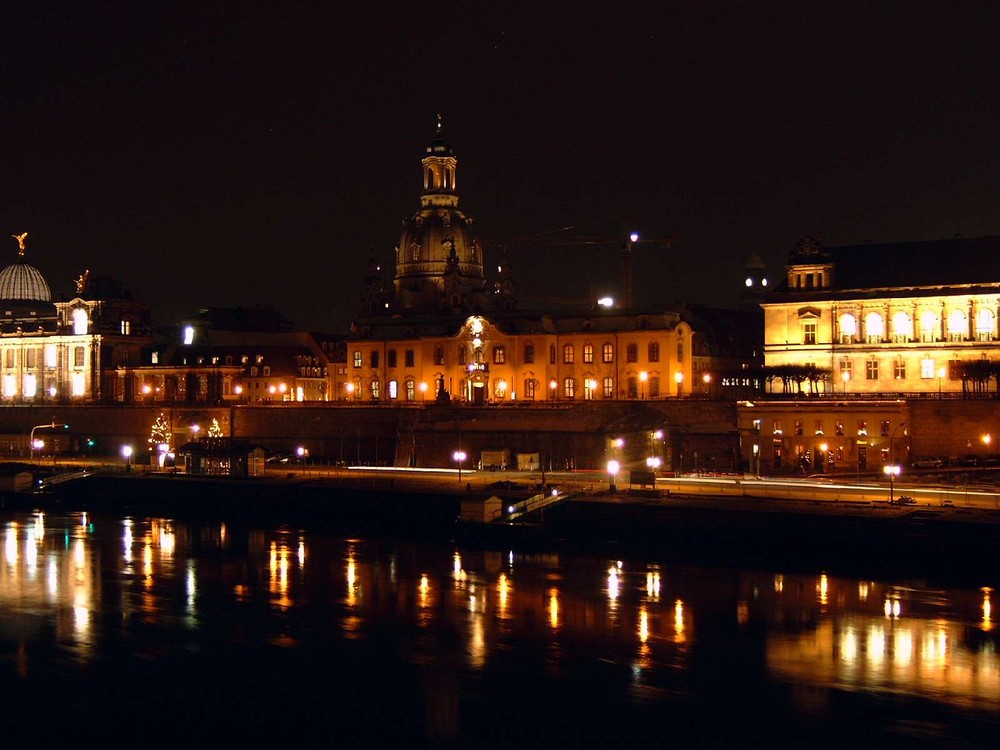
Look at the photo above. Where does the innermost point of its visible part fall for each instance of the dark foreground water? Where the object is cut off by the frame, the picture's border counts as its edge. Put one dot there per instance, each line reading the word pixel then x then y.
pixel 152 632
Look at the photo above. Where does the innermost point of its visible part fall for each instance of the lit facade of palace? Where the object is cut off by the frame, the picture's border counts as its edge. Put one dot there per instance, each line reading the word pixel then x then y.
pixel 65 351
pixel 439 331
pixel 894 318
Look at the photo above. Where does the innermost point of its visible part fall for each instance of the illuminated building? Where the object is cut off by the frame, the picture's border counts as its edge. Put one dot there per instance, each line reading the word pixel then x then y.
pixel 908 317
pixel 440 331
pixel 62 352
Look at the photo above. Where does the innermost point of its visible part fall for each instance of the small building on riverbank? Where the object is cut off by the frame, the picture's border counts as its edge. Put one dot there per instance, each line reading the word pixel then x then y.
pixel 222 457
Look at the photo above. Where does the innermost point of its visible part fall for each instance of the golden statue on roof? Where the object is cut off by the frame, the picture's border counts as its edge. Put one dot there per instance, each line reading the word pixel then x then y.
pixel 20 241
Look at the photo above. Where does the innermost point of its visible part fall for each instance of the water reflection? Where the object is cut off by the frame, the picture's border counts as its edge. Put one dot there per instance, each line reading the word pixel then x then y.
pixel 78 584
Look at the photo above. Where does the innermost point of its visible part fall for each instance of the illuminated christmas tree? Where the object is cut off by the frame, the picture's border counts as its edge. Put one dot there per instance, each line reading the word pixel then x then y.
pixel 214 430
pixel 160 434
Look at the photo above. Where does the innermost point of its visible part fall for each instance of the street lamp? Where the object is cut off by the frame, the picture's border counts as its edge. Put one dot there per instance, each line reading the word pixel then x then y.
pixel 423 391
pixel 892 469
pixel 987 439
pixel 127 455
pixel 642 384
pixel 940 374
pixel 613 467
pixel 845 376
pixel 679 377
pixel 552 387
pixel 459 456
pixel 34 445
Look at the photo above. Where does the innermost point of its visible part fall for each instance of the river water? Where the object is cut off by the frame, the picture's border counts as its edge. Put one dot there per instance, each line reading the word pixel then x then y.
pixel 159 632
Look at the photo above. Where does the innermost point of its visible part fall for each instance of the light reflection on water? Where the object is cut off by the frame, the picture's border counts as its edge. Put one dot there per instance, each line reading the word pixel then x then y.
pixel 71 586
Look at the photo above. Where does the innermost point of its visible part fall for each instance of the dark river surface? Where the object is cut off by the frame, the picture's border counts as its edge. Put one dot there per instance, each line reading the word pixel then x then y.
pixel 150 631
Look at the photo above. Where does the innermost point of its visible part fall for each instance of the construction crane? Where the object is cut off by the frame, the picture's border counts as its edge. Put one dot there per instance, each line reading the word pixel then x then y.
pixel 627 246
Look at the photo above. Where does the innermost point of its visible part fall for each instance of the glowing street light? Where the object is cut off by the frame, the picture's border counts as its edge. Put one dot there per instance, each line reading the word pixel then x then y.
pixel 642 384
pixel 613 467
pixel 34 444
pixel 459 457
pixel 845 376
pixel 552 387
pixel 127 455
pixel 423 391
pixel 892 470
pixel 679 377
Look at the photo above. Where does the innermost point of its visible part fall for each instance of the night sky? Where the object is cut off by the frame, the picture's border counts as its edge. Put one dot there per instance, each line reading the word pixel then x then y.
pixel 243 154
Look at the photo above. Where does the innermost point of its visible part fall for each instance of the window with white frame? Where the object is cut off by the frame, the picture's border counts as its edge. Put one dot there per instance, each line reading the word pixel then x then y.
pixel 809 332
pixel 927 370
pixel 871 369
pixel 848 328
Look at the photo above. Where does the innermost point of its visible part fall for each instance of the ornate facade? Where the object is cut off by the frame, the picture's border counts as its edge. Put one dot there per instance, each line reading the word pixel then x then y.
pixel 440 331
pixel 903 318
pixel 65 351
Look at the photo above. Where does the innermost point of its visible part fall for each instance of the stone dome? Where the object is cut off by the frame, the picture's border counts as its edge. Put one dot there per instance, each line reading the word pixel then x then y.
pixel 20 281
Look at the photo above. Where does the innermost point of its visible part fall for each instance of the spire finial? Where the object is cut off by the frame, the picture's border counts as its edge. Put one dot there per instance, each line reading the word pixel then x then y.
pixel 439 124
pixel 20 242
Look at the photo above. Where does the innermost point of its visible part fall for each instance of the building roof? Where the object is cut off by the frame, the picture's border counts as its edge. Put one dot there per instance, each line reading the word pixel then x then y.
pixel 20 281
pixel 959 261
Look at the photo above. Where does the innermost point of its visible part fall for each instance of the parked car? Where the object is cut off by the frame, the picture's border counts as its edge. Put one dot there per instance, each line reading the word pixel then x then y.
pixel 928 462
pixel 970 459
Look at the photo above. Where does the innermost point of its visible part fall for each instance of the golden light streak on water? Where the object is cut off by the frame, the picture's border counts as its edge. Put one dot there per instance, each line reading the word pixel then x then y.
pixel 987 609
pixel 302 554
pixel 502 590
pixel 643 624
pixel 653 584
pixel 127 540
pixel 554 608
pixel 779 583
pixel 613 583
pixel 848 645
pixel 10 545
pixel 679 621
pixel 876 644
pixel 823 589
pixel 863 591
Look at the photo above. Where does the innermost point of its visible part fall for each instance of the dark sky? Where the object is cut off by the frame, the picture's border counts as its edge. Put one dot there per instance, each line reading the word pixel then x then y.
pixel 241 154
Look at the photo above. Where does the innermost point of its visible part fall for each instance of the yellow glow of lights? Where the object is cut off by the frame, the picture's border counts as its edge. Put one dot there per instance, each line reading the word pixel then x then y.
pixel 613 583
pixel 679 617
pixel 643 625
pixel 823 589
pixel 554 608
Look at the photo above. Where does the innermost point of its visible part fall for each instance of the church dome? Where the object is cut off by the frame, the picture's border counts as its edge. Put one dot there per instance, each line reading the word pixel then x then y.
pixel 20 281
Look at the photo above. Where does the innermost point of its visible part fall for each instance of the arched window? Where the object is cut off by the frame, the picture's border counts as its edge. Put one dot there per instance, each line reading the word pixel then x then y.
pixel 410 390
pixel 529 388
pixel 633 387
pixel 376 390
pixel 984 324
pixel 902 327
pixel 874 328
pixel 80 322
pixel 631 353
pixel 928 326
pixel 568 354
pixel 609 388
pixel 956 325
pixel 654 386
pixel 608 353
pixel 848 328
pixel 653 351
pixel 588 354
pixel 529 354
pixel 552 354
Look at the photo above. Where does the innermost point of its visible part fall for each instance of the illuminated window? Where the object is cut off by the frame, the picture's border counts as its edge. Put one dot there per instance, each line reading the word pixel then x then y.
pixel 30 386
pixel 589 385
pixel 358 359
pixel 188 335
pixel 155 358
pixel 899 369
pixel 393 390
pixel 499 355
pixel 126 327
pixel 874 328
pixel 529 388
pixel 609 387
pixel 848 328
pixel 608 353
pixel 956 325
pixel 928 326
pixel 862 427
pixel 51 355
pixel 568 354
pixel 776 427
pixel 376 390
pixel 809 332
pixel 927 368
pixel 411 390
pixel 9 385
pixel 569 388
pixel 80 321
pixel 984 324
pixel 902 327
pixel 78 384
pixel 79 356
pixel 871 369
pixel 818 427
pixel 839 426
pixel 653 351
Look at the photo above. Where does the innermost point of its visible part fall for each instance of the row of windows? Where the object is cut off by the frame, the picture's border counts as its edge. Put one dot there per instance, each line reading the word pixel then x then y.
pixel 499 354
pixel 569 388
pixel 874 329
pixel 929 369
pixel 50 356
pixel 29 386
pixel 819 427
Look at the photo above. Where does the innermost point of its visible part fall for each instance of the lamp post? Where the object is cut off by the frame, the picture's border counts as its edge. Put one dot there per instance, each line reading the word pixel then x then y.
pixel 892 469
pixel 459 456
pixel 552 388
pixel 987 439
pixel 613 467
pixel 31 439
pixel 127 455
pixel 679 377
pixel 940 374
pixel 642 384
pixel 423 391
pixel 845 376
